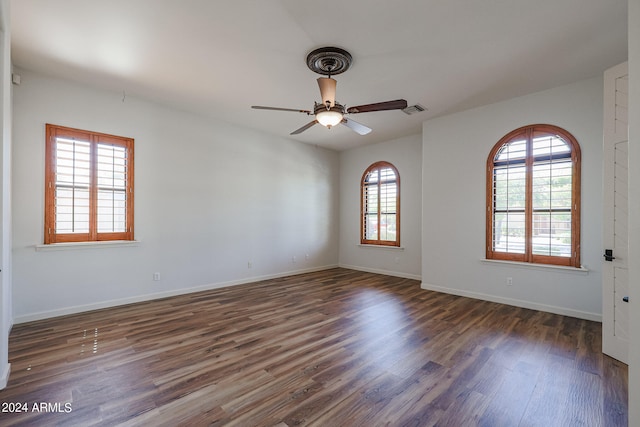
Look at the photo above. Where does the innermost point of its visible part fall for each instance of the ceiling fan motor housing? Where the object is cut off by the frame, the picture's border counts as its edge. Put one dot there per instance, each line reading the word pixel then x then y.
pixel 327 90
pixel 339 108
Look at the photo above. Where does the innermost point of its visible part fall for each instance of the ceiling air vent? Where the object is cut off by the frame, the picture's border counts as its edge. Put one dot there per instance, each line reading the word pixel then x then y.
pixel 413 109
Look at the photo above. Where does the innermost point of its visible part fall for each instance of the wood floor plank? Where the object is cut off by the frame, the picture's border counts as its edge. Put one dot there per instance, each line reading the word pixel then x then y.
pixel 332 348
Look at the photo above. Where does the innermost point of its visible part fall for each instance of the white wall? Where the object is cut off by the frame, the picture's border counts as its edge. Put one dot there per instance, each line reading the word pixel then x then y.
pixel 209 198
pixel 405 155
pixel 634 211
pixel 5 191
pixel 454 154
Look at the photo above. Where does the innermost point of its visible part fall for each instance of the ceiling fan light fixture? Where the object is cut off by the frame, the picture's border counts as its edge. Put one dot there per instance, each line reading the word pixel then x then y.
pixel 329 117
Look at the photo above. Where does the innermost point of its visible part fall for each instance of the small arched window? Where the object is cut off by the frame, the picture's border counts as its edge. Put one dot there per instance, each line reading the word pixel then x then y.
pixel 533 197
pixel 380 205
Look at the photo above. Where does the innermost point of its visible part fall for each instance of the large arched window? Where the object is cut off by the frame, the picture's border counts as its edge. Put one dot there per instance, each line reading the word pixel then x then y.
pixel 533 197
pixel 380 205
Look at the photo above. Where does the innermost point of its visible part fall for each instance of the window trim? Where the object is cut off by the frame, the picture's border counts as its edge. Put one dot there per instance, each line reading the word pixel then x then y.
pixel 94 138
pixel 379 242
pixel 528 257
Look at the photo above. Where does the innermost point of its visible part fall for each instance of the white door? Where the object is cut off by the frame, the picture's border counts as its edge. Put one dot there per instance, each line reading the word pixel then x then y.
pixel 615 282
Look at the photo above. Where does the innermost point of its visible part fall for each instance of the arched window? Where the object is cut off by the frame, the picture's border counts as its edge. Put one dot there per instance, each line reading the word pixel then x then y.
pixel 380 205
pixel 533 197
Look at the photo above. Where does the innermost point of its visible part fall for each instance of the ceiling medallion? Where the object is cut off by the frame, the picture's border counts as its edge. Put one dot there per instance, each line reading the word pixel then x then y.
pixel 329 61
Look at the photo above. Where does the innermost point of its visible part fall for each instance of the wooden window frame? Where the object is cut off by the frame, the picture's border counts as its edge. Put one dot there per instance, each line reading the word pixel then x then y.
pixel 93 138
pixel 363 240
pixel 528 256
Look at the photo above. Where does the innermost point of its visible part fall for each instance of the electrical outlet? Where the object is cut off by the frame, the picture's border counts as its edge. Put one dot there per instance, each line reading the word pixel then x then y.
pixel 249 265
pixel 156 277
pixel 306 257
pixel 509 281
pixel 293 259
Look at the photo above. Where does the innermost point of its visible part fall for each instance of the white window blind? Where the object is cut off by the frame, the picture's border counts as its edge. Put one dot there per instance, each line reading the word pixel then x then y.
pixel 112 188
pixel 73 180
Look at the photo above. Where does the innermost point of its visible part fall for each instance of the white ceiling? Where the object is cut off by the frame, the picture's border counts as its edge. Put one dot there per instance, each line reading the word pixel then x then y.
pixel 219 57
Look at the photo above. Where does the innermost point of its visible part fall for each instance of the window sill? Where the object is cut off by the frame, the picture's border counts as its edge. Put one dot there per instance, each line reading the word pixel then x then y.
pixel 395 248
pixel 86 245
pixel 582 270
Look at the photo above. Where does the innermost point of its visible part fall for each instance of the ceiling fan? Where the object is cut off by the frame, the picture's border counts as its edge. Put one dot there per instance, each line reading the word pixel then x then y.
pixel 331 61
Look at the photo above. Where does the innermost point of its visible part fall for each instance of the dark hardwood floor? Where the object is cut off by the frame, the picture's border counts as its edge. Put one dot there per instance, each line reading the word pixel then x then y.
pixel 333 348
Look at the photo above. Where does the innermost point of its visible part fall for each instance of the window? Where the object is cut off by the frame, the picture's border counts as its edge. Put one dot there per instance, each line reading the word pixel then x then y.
pixel 533 197
pixel 380 205
pixel 88 186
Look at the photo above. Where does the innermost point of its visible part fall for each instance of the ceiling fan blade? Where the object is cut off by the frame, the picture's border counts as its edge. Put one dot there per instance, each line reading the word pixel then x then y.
pixel 303 128
pixel 398 104
pixel 355 126
pixel 260 107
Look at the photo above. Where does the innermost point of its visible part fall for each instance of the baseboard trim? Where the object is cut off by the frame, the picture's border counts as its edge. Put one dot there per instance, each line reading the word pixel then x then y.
pixel 515 302
pixel 4 377
pixel 378 271
pixel 149 297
